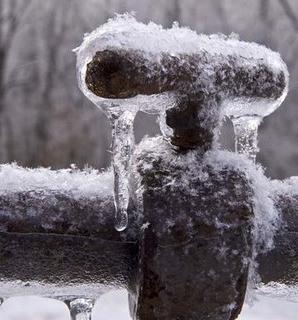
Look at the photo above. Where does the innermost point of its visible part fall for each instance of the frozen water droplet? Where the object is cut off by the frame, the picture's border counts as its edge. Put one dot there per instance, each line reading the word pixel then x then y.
pixel 122 146
pixel 246 135
pixel 81 309
pixel 246 115
pixel 1 301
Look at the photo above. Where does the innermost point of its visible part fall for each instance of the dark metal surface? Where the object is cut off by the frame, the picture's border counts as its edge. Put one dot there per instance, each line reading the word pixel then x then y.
pixel 125 73
pixel 193 261
pixel 281 264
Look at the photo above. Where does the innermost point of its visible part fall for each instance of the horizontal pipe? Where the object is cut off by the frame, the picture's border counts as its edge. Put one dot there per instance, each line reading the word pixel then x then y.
pixel 60 240
pixel 54 212
pixel 63 265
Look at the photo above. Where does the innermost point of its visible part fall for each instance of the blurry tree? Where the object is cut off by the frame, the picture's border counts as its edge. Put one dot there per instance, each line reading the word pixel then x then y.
pixel 290 13
pixel 12 13
pixel 173 13
pixel 220 12
pixel 55 26
pixel 266 35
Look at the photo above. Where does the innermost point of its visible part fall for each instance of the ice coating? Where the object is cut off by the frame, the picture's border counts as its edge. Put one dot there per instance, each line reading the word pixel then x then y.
pixel 88 183
pixel 125 32
pixel 119 32
pixel 246 115
pixel 57 291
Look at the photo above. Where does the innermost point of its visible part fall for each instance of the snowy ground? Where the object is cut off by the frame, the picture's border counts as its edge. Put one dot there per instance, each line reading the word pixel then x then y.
pixel 113 306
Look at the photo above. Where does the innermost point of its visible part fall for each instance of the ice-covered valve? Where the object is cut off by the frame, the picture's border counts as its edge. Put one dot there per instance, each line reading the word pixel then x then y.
pixel 126 66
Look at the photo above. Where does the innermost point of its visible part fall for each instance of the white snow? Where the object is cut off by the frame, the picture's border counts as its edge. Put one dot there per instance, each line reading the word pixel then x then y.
pixel 114 306
pixel 33 308
pixel 287 187
pixel 87 183
pixel 278 290
pixel 124 31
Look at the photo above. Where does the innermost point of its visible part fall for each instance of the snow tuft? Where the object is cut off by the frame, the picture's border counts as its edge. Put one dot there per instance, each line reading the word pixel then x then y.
pixel 87 183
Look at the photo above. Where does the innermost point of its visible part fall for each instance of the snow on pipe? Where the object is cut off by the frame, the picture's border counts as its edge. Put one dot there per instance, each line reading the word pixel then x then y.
pixel 38 215
pixel 57 236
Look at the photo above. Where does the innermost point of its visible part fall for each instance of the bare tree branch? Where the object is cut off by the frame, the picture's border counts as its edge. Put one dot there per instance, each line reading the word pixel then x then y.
pixel 290 13
pixel 220 11
pixel 174 13
pixel 15 17
pixel 264 9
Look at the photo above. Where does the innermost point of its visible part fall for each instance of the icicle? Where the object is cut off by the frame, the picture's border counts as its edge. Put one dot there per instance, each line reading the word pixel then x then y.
pixel 122 146
pixel 80 309
pixel 246 135
pixel 67 302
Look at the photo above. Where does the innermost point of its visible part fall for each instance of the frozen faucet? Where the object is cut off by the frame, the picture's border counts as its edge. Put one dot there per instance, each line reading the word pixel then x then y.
pixel 200 219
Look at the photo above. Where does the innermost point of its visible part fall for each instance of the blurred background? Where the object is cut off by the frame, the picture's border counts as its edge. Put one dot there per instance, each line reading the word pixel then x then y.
pixel 46 121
